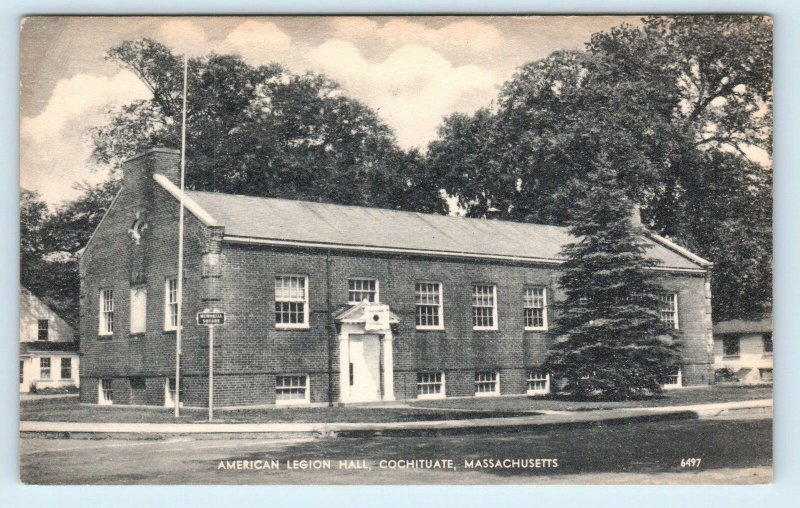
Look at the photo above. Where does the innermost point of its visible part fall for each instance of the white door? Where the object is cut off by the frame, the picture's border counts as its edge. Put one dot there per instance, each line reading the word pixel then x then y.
pixel 365 375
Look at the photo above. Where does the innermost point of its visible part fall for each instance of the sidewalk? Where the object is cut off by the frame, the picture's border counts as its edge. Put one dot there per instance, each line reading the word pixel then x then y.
pixel 249 430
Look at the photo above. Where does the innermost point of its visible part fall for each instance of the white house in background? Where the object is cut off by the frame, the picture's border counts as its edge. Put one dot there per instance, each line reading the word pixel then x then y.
pixel 745 347
pixel 48 351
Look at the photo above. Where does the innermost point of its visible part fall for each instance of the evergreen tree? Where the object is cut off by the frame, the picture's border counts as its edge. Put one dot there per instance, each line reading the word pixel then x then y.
pixel 612 343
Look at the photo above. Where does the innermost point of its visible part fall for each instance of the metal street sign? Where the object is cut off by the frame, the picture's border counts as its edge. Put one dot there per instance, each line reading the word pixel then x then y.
pixel 210 317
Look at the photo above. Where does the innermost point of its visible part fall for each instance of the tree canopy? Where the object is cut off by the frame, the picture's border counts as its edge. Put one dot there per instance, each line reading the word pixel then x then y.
pixel 263 131
pixel 681 108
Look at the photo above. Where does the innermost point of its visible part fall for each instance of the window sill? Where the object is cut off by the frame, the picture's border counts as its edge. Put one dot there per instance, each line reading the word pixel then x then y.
pixel 138 335
pixel 290 328
pixel 487 394
pixel 105 337
pixel 431 396
pixel 293 402
pixel 485 329
pixel 767 355
pixel 537 392
pixel 429 328
pixel 731 357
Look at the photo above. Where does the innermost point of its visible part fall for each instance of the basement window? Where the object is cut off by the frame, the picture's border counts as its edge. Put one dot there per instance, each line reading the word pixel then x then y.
pixel 537 383
pixel 430 385
pixel 673 380
pixel 487 384
pixel 292 390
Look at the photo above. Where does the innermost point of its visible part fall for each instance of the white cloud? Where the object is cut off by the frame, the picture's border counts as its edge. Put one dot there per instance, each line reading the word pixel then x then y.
pixel 53 148
pixel 460 36
pixel 413 88
pixel 258 42
pixel 183 36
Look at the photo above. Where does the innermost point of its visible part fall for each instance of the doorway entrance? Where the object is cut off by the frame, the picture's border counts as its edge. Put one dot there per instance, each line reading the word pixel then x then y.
pixel 365 368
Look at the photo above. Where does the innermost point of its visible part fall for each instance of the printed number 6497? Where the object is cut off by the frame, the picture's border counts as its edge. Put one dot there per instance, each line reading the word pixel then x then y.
pixel 690 462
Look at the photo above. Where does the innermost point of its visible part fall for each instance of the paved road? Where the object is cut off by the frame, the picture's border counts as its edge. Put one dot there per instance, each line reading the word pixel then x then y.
pixel 730 451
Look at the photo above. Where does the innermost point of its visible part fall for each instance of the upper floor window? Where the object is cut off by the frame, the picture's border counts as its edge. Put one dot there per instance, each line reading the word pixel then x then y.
pixel 359 290
pixel 669 310
pixel 106 312
pixel 767 338
pixel 43 329
pixel 138 310
pixel 171 304
pixel 428 298
pixel 291 301
pixel 535 309
pixel 484 307
pixel 730 346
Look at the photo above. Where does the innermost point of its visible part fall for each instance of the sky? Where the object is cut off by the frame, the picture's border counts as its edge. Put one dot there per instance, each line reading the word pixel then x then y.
pixel 412 70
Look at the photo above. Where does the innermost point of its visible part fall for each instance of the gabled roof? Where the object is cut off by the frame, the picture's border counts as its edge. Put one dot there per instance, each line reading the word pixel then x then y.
pixel 287 222
pixel 357 314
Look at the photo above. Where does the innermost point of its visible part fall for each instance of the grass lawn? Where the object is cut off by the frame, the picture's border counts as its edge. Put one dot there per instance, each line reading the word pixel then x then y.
pixel 69 410
pixel 682 397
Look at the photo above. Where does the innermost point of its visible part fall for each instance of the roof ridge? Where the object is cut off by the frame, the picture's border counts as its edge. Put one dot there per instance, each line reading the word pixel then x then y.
pixel 363 207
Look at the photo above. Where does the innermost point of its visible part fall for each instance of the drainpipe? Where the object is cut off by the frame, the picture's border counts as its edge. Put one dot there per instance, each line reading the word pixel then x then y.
pixel 330 325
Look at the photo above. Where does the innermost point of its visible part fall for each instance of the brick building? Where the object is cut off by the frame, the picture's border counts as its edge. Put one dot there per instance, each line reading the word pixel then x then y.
pixel 327 302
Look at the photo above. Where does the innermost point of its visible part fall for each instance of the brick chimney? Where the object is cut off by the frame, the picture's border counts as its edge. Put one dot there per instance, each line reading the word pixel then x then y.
pixel 162 161
pixel 636 215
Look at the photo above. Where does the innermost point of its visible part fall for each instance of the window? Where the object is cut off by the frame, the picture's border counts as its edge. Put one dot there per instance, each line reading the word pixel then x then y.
pixel 169 395
pixel 669 310
pixel 138 310
pixel 767 338
pixel 43 329
pixel 171 304
pixel 538 383
pixel 21 371
pixel 674 380
pixel 430 385
pixel 66 368
pixel 535 305
pixel 291 298
pixel 484 307
pixel 766 375
pixel 730 346
pixel 106 394
pixel 106 312
pixel 486 383
pixel 428 297
pixel 44 368
pixel 137 383
pixel 291 390
pixel 359 290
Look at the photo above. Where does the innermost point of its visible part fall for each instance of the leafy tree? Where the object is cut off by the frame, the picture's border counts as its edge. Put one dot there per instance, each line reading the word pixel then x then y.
pixel 613 343
pixel 673 106
pixel 263 131
pixel 51 241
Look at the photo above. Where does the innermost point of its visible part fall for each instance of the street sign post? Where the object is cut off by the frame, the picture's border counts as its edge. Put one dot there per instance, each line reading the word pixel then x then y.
pixel 210 318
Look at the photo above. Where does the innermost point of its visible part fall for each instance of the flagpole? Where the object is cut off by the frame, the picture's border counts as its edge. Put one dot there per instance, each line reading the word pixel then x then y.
pixel 180 249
